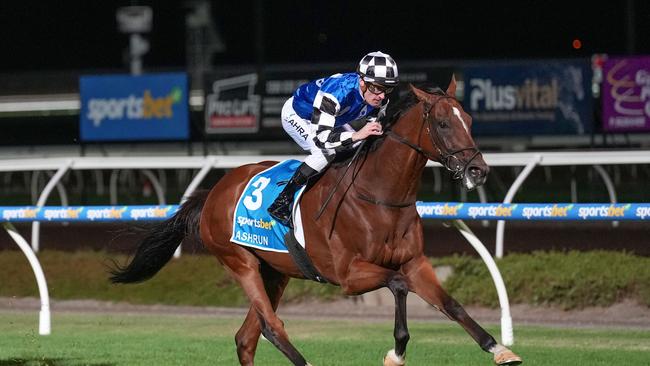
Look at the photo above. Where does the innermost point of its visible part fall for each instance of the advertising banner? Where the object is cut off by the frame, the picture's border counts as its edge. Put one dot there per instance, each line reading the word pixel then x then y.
pixel 535 211
pixel 247 104
pixel 86 213
pixel 279 86
pixel 426 210
pixel 232 106
pixel 134 108
pixel 626 94
pixel 529 98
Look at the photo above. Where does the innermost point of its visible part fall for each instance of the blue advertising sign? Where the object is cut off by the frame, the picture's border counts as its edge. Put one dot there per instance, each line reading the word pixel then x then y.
pixel 86 213
pixel 535 211
pixel 426 210
pixel 132 108
pixel 529 98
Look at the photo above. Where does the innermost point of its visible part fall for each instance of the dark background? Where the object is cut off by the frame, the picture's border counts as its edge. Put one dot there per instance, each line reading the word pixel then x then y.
pixel 39 35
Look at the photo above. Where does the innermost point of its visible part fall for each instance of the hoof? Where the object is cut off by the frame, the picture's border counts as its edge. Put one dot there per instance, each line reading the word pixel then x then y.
pixel 507 357
pixel 392 359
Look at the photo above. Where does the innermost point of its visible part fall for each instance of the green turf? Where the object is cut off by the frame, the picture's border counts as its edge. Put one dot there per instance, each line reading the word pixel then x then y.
pixel 196 280
pixel 153 339
pixel 570 280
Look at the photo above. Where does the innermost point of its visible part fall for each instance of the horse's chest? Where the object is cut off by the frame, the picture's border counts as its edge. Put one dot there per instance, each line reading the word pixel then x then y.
pixel 391 243
pixel 391 252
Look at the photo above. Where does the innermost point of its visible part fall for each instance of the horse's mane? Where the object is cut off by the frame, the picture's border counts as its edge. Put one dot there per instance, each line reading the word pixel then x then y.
pixel 394 112
pixel 404 103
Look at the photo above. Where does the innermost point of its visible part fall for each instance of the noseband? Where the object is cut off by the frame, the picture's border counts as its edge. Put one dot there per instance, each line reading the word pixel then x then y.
pixel 448 157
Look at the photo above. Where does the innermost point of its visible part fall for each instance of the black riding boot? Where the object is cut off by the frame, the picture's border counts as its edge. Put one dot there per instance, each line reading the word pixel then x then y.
pixel 280 209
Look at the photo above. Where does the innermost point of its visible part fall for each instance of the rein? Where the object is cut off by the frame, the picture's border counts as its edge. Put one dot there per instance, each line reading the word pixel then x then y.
pixel 329 197
pixel 447 157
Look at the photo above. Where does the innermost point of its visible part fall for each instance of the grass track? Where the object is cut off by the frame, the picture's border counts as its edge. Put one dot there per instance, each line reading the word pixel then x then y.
pixel 154 339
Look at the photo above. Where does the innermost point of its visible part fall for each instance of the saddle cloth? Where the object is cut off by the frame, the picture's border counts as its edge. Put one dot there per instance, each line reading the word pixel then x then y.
pixel 253 226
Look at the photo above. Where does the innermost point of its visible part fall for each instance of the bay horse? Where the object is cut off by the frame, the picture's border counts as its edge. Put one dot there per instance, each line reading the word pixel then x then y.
pixel 368 237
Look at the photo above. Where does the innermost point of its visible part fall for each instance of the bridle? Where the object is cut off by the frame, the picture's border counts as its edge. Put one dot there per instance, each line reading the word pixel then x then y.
pixel 448 158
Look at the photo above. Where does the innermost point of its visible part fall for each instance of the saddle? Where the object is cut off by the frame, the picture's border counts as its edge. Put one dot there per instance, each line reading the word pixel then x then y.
pixel 254 227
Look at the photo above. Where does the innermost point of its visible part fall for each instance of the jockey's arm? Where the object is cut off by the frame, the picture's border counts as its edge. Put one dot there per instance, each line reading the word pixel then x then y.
pixel 326 108
pixel 376 115
pixel 323 118
pixel 369 125
pixel 357 124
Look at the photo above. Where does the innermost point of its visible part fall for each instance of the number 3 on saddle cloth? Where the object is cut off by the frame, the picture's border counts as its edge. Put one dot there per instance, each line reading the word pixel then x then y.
pixel 252 224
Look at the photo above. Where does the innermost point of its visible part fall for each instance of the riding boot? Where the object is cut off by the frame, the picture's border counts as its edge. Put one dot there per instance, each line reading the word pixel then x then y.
pixel 281 208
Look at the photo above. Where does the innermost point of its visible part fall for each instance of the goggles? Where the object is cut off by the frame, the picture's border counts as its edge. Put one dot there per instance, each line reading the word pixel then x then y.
pixel 378 89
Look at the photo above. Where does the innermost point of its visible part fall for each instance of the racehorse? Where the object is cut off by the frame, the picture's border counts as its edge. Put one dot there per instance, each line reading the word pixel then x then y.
pixel 368 237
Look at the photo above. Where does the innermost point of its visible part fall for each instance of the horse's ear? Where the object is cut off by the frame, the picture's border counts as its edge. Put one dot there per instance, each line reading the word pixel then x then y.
pixel 421 94
pixel 451 89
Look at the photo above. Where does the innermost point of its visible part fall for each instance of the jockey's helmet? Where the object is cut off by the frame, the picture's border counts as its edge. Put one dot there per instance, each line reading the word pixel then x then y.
pixel 378 67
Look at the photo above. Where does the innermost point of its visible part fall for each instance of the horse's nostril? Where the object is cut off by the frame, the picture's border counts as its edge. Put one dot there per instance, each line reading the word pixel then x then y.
pixel 475 172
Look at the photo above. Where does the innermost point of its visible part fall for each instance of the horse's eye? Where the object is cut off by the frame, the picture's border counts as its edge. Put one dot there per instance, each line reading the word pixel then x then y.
pixel 443 124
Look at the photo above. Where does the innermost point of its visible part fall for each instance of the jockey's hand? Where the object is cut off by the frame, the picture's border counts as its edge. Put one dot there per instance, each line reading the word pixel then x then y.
pixel 371 128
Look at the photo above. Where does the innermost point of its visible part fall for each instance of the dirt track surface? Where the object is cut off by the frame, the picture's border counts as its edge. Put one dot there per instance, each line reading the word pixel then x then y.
pixel 626 314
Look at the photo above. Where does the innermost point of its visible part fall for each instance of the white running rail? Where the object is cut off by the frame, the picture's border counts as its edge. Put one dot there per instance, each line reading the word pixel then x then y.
pixel 205 163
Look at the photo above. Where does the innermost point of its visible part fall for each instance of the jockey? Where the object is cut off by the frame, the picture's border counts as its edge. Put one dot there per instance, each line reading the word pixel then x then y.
pixel 318 114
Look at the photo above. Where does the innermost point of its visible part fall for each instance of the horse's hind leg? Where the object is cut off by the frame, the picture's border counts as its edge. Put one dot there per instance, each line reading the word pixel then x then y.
pixel 422 280
pixel 245 268
pixel 247 337
pixel 249 333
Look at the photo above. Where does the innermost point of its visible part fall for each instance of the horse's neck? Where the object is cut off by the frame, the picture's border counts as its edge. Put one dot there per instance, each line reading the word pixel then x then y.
pixel 392 172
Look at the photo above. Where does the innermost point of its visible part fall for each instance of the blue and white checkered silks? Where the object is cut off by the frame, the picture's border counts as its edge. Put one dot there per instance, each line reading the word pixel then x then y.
pixel 329 103
pixel 252 224
pixel 379 67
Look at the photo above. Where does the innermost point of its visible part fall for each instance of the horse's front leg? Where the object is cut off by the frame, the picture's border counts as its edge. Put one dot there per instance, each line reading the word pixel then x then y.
pixel 363 277
pixel 422 280
pixel 400 290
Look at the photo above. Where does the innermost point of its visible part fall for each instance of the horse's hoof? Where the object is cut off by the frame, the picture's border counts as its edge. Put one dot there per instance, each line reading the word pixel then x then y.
pixel 393 359
pixel 507 357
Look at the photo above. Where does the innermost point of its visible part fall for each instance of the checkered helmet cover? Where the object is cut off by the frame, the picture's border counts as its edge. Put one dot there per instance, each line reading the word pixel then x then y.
pixel 378 67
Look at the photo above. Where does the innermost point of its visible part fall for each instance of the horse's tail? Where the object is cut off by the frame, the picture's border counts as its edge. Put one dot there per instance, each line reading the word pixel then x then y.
pixel 161 241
